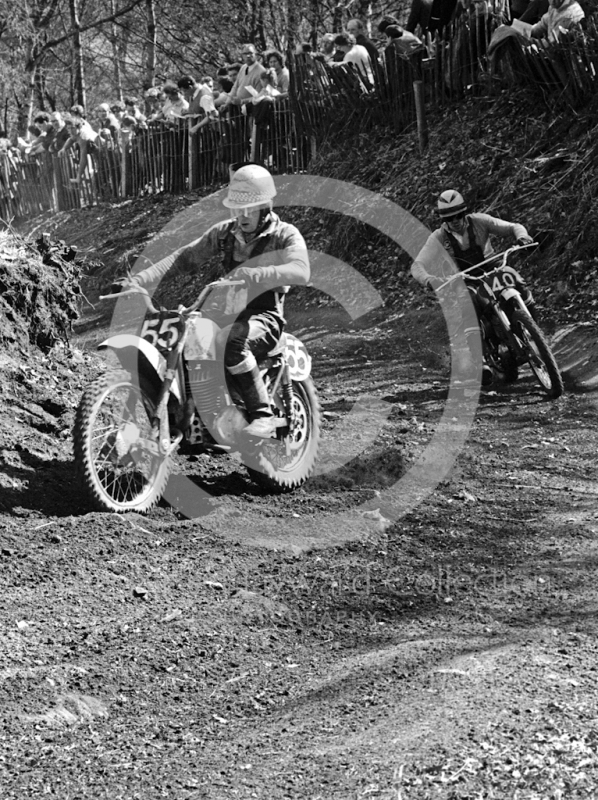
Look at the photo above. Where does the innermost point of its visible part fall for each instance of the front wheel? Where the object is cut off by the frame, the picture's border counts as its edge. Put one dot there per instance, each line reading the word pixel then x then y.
pixel 286 463
pixel 116 455
pixel 538 354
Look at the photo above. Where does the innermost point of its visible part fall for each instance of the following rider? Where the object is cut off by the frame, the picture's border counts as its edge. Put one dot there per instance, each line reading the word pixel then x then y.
pixel 256 233
pixel 466 238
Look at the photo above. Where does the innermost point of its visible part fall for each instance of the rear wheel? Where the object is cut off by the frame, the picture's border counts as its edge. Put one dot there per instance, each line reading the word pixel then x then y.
pixel 538 354
pixel 115 453
pixel 286 463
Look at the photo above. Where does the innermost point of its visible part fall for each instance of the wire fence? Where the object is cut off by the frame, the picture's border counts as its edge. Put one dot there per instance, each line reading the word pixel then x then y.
pixel 324 100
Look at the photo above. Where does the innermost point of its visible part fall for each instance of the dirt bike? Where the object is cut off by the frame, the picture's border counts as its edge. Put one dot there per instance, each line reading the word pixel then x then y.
pixel 172 391
pixel 511 337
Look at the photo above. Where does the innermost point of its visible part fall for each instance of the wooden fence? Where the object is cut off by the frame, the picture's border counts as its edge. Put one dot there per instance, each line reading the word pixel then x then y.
pixel 324 101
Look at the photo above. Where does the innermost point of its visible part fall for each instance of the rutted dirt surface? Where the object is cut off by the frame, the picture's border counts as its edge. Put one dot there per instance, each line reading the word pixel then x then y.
pixel 306 645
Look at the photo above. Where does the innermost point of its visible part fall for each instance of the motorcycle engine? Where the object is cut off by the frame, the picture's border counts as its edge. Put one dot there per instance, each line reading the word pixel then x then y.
pixel 229 425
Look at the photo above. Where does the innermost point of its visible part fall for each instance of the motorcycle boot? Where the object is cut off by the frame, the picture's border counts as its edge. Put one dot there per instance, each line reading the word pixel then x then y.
pixel 257 403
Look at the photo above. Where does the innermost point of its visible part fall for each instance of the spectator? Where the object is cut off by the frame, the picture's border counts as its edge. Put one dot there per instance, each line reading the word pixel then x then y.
pixel 153 103
pixel 82 134
pixel 249 75
pixel 43 139
pixel 34 142
pixel 303 48
pixel 133 110
pixel 210 113
pixel 355 54
pixel 59 134
pixel 275 61
pixel 387 20
pixel 562 15
pixel 233 71
pixel 223 86
pixel 79 130
pixel 401 41
pixel 107 121
pixel 328 50
pixel 357 29
pixel 174 106
pixel 193 93
pixel 208 82
pixel 77 111
pixel 118 108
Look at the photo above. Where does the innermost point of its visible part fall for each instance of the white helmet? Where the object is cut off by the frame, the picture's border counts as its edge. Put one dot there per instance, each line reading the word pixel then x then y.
pixel 250 186
pixel 451 204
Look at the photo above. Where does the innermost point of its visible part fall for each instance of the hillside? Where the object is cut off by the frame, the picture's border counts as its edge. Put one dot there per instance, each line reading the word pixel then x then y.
pixel 505 154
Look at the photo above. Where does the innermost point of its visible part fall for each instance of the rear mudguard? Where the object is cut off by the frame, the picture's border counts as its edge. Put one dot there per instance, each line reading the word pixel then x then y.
pixel 138 356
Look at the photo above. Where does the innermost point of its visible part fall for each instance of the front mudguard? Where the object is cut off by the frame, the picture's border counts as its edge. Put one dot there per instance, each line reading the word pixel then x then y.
pixel 138 357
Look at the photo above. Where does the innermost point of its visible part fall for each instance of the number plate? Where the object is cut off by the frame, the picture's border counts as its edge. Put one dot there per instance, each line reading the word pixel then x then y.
pixel 163 330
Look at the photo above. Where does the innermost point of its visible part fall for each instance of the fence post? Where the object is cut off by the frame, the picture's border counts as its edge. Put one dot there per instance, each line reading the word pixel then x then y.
pixel 192 171
pixel 420 112
pixel 123 169
pixel 254 140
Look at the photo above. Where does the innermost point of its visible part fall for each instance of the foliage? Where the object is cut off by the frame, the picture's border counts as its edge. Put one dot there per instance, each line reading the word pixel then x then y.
pixel 38 43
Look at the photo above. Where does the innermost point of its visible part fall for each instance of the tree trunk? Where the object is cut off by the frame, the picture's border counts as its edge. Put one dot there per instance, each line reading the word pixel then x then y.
pixel 292 23
pixel 150 63
pixel 118 84
pixel 78 71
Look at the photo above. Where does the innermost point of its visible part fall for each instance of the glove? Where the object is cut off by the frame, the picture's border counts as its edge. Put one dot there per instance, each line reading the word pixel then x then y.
pixel 248 274
pixel 121 284
pixel 525 240
pixel 433 282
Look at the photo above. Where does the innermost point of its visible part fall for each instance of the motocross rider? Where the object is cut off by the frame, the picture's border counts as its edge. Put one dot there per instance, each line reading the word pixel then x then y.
pixel 466 238
pixel 256 233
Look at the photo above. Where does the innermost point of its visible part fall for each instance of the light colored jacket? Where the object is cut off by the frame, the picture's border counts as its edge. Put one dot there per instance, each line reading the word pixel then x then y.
pixel 435 257
pixel 569 14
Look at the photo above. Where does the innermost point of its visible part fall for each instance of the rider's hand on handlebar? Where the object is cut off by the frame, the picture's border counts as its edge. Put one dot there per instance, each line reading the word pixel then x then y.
pixel 433 282
pixel 248 274
pixel 124 283
pixel 525 240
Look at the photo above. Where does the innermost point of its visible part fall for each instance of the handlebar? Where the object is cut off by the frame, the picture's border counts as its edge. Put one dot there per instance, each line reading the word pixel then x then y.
pixel 181 309
pixel 494 257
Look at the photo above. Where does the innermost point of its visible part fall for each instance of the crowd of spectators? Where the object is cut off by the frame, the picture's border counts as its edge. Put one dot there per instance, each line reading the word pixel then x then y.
pixel 252 85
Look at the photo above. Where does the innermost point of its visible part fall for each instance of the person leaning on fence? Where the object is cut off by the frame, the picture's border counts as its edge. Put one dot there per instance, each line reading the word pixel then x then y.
pixel 401 42
pixel 357 29
pixel 208 113
pixel 84 136
pixel 223 89
pixel 78 129
pixel 233 70
pixel 249 76
pixel 562 16
pixel 355 54
pixel 275 61
pixel 174 107
pixel 57 137
pixel 153 103
pixel 193 92
pixel 328 52
pixel 107 121
pixel 133 110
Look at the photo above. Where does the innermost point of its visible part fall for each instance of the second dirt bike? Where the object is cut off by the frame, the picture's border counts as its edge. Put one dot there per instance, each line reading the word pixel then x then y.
pixel 172 391
pixel 511 337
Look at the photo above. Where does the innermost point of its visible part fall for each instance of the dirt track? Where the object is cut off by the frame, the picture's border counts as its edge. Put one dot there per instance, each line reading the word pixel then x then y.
pixel 302 646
